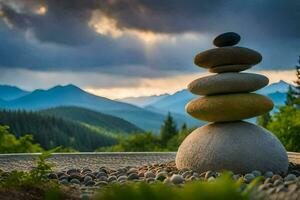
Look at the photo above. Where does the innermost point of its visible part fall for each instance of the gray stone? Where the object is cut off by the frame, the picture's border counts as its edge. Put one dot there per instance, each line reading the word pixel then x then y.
pixel 90 183
pixel 269 174
pixel 228 83
pixel 122 178
pixel 227 56
pixel 149 174
pixel 87 179
pixel 133 176
pixel 176 179
pixel 290 177
pixel 112 178
pixel 256 173
pixel 100 174
pixel 64 181
pixel 102 178
pixel 237 146
pixel 249 177
pixel 101 183
pixel 229 107
pixel 75 181
pixel 150 180
pixel 227 39
pixel 52 176
pixel 209 174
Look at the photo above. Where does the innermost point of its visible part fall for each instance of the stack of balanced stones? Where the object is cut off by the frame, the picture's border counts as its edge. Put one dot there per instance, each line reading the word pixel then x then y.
pixel 229 143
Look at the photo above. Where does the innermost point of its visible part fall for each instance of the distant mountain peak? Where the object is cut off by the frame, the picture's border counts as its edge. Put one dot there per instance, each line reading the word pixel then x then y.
pixel 8 92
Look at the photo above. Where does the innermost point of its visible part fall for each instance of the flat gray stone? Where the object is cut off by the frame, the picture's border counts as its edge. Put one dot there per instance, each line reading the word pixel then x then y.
pixel 237 146
pixel 228 83
pixel 227 56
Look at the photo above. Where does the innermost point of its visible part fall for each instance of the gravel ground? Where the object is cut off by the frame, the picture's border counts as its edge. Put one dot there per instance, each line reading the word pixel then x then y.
pixel 90 171
pixel 62 161
pixel 93 161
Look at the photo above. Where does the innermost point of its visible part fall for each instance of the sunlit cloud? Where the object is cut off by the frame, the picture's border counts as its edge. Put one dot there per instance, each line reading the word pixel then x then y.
pixel 42 10
pixel 108 26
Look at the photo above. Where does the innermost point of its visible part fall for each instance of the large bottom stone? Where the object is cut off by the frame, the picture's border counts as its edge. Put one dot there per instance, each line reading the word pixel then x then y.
pixel 237 146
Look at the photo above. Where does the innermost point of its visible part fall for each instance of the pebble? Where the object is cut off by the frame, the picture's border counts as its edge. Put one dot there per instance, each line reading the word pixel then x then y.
pixel 177 179
pixel 150 180
pixel 64 182
pixel 122 178
pixel 209 174
pixel 90 183
pixel 149 174
pixel 87 179
pixel 290 177
pixel 112 178
pixel 101 183
pixel 75 181
pixel 256 173
pixel 52 176
pixel 72 171
pixel 249 177
pixel 133 176
pixel 101 174
pixel 276 177
pixel 102 178
pixel 187 174
pixel 269 174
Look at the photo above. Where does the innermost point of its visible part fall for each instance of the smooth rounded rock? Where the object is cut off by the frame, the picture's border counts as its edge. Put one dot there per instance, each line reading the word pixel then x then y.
pixel 176 179
pixel 227 39
pixel 237 146
pixel 228 83
pixel 229 68
pixel 227 56
pixel 229 107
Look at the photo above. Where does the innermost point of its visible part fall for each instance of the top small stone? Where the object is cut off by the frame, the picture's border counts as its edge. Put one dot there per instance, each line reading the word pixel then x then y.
pixel 227 39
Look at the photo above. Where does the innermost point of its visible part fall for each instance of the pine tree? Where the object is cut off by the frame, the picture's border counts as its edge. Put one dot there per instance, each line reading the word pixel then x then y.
pixel 184 127
pixel 264 120
pixel 168 129
pixel 293 94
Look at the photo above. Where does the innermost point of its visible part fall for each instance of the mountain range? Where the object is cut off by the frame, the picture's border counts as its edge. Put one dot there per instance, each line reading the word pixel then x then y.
pixel 71 95
pixel 145 113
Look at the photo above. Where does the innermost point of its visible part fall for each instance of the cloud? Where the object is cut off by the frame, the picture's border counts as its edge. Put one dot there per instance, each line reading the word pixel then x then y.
pixel 138 38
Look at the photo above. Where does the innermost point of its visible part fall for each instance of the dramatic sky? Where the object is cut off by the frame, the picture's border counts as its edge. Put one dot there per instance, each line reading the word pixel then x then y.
pixel 119 48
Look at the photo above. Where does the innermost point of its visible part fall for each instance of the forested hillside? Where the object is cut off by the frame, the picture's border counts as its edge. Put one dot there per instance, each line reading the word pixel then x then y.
pixel 108 122
pixel 50 131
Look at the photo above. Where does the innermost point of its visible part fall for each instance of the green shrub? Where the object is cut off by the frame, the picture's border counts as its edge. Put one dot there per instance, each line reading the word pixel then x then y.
pixel 10 144
pixel 286 126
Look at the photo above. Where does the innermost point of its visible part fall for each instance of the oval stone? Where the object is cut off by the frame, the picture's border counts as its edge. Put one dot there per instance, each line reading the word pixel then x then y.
pixel 237 146
pixel 229 107
pixel 227 56
pixel 229 68
pixel 228 83
pixel 227 39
